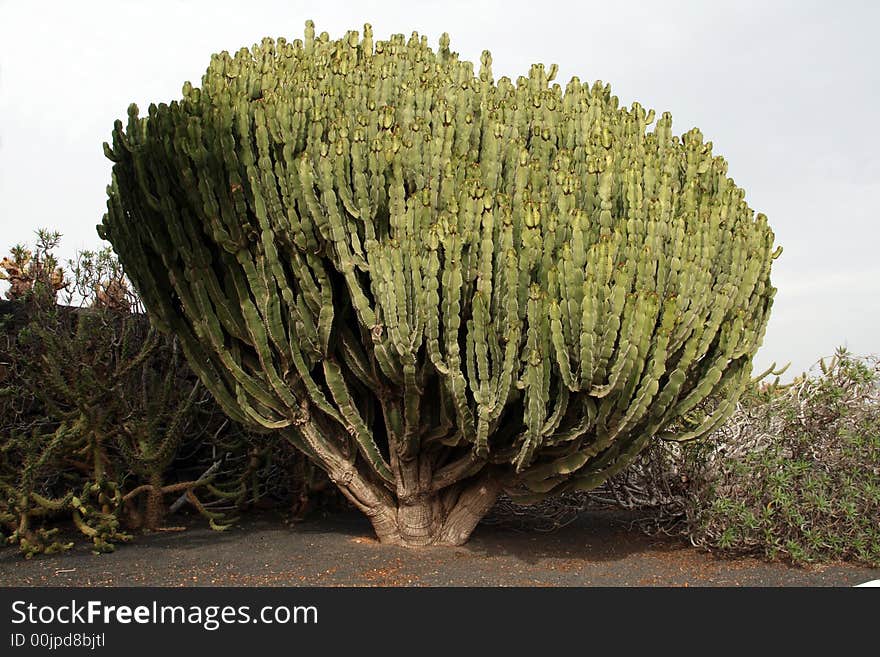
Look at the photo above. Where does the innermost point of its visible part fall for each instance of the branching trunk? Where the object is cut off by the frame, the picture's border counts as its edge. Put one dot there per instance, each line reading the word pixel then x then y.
pixel 425 516
pixel 423 521
pixel 424 506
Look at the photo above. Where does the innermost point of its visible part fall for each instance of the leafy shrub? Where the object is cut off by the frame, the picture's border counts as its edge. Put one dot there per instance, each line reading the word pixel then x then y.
pixel 796 472
pixel 793 474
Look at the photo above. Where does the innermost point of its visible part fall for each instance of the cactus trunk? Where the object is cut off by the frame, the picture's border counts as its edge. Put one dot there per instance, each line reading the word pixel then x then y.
pixel 155 503
pixel 421 506
pixel 423 517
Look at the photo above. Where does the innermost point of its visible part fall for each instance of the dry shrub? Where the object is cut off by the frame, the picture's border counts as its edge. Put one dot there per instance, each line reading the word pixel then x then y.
pixel 794 474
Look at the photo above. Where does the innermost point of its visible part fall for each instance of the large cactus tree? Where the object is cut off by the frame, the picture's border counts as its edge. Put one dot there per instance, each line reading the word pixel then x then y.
pixel 439 286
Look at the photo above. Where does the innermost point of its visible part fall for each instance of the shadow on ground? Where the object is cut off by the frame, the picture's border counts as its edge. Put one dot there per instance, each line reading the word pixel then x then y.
pixel 596 550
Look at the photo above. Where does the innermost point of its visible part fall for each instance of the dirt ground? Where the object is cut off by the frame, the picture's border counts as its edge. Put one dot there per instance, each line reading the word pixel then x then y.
pixel 597 550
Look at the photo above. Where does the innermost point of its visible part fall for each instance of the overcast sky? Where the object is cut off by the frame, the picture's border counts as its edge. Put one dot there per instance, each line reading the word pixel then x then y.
pixel 787 91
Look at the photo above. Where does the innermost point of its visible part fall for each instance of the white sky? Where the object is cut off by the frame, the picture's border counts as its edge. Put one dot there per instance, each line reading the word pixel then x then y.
pixel 787 91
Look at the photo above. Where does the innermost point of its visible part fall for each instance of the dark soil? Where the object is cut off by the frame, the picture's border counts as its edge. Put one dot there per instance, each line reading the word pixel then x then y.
pixel 596 550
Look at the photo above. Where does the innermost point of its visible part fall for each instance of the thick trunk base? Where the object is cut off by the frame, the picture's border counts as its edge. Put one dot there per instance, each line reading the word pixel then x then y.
pixel 425 508
pixel 435 520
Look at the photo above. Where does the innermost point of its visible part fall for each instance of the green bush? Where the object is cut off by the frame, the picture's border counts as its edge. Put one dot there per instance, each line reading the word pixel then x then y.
pixel 793 474
pixel 796 472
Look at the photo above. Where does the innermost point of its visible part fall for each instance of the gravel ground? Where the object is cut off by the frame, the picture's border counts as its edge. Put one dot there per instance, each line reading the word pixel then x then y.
pixel 596 550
